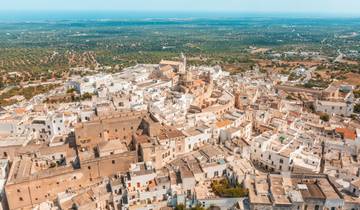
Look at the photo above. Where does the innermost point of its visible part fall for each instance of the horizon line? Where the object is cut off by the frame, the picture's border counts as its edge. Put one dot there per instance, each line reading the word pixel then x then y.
pixel 182 11
pixel 201 13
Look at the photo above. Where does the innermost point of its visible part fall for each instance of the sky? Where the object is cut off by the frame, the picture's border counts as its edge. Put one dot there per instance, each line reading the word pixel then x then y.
pixel 260 6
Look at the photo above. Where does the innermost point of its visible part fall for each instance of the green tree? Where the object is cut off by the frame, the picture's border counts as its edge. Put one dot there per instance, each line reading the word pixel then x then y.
pixel 223 188
pixel 325 117
pixel 357 108
pixel 357 93
pixel 180 207
pixel 290 98
pixel 71 90
pixel 197 207
pixel 86 96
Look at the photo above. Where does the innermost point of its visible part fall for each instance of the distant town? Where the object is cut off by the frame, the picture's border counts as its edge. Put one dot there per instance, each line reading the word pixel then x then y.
pixel 179 136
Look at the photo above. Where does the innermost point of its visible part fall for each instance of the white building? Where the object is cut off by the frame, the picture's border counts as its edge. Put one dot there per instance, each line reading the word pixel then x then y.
pixel 333 107
pixel 195 138
pixel 272 152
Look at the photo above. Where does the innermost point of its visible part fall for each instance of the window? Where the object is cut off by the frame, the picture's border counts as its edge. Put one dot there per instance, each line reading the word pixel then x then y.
pixel 113 161
pixel 21 199
pixel 89 167
pixel 281 161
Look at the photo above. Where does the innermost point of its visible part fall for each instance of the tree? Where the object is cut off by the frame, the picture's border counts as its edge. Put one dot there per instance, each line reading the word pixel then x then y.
pixel 180 207
pixel 223 188
pixel 325 117
pixel 86 96
pixel 212 207
pixel 290 98
pixel 357 108
pixel 357 93
pixel 71 90
pixel 312 108
pixel 197 207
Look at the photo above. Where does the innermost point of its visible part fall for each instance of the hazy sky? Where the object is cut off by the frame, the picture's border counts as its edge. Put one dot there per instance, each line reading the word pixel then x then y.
pixel 284 6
